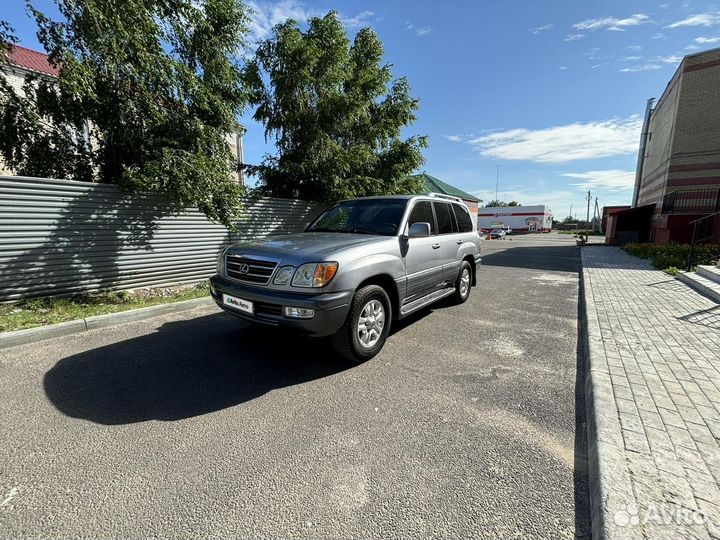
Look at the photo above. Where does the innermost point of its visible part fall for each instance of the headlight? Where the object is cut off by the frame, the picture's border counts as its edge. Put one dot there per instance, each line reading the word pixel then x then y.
pixel 283 275
pixel 220 266
pixel 314 274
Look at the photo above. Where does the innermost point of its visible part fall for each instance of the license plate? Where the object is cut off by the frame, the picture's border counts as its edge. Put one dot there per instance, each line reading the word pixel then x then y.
pixel 238 303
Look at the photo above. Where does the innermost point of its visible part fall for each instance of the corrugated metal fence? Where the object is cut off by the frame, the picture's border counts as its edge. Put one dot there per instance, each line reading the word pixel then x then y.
pixel 59 237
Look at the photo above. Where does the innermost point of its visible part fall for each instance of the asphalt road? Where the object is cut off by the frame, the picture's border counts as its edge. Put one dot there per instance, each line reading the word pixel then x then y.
pixel 469 424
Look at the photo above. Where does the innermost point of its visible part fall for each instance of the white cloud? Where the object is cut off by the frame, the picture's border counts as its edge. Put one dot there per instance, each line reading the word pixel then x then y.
pixel 634 48
pixel 613 179
pixel 544 28
pixel 419 32
pixel 453 138
pixel 658 35
pixel 706 41
pixel 574 37
pixel 596 66
pixel 643 67
pixel 361 19
pixel 701 19
pixel 267 14
pixel 612 23
pixel 672 59
pixel 562 68
pixel 631 58
pixel 563 143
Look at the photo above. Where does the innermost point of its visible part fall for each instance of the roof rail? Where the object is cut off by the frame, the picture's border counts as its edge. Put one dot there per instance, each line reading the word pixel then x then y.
pixel 444 196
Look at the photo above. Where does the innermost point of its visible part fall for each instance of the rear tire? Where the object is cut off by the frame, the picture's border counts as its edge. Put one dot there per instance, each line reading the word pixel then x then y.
pixel 366 327
pixel 463 283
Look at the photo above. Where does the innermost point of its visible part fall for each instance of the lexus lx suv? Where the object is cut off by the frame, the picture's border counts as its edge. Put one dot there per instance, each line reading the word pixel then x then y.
pixel 359 265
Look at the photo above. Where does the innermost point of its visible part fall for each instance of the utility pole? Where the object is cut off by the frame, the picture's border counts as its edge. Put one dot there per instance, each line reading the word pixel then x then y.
pixel 570 212
pixel 596 215
pixel 587 221
pixel 497 180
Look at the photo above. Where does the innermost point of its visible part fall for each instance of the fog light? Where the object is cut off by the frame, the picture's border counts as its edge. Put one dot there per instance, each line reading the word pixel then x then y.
pixel 298 313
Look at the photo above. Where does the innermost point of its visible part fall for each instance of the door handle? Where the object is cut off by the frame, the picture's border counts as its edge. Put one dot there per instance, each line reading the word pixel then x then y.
pixel 458 242
pixel 436 246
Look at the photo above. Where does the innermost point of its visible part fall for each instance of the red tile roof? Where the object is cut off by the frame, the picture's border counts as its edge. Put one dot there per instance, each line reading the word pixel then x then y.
pixel 31 60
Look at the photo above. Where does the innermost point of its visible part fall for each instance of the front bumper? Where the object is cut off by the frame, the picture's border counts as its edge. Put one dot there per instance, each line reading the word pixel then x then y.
pixel 331 309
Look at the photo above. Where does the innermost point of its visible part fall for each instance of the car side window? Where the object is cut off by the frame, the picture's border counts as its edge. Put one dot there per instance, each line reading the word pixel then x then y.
pixel 463 218
pixel 445 220
pixel 422 212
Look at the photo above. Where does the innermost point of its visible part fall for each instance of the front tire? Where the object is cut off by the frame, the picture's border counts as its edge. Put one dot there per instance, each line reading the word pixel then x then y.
pixel 463 283
pixel 366 327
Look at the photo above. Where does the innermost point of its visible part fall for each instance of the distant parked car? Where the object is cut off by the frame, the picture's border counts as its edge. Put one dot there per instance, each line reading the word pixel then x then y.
pixel 497 234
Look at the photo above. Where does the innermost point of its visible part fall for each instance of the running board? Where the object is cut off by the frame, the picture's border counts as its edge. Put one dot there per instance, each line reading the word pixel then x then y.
pixel 425 300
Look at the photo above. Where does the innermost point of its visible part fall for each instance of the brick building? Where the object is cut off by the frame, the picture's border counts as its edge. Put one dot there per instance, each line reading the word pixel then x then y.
pixel 678 175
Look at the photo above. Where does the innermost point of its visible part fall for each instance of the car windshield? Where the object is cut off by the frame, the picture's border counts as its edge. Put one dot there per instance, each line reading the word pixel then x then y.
pixel 362 216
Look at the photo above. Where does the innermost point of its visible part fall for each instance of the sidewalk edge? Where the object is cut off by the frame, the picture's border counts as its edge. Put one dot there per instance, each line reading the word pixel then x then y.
pixel 610 485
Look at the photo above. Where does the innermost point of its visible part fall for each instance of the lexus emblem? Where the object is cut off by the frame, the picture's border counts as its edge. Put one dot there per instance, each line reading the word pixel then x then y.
pixel 244 268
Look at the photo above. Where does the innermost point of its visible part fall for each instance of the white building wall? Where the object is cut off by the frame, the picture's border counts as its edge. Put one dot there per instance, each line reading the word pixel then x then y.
pixel 518 218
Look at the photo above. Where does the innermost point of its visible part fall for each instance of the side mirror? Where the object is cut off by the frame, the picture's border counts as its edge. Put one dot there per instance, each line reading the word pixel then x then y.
pixel 421 229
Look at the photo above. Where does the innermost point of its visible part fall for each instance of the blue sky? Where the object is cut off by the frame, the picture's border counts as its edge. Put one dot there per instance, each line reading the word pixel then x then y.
pixel 552 92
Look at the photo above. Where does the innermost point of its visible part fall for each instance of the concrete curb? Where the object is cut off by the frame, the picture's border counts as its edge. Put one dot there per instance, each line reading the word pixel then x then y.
pixel 611 492
pixel 31 335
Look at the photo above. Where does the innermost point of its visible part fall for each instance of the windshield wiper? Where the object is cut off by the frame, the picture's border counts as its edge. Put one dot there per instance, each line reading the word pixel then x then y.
pixel 360 230
pixel 323 229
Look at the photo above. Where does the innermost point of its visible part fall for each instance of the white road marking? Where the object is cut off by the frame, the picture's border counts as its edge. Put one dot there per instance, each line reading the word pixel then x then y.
pixel 10 496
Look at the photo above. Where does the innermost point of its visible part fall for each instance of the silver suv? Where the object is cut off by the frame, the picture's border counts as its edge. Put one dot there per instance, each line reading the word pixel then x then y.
pixel 360 264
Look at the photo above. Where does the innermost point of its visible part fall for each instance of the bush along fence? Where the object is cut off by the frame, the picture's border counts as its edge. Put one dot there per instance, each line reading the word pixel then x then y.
pixel 61 237
pixel 673 255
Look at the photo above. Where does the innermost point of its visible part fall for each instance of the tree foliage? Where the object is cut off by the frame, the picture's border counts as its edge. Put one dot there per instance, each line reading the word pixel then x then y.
pixel 334 112
pixel 147 94
pixel 497 203
pixel 494 203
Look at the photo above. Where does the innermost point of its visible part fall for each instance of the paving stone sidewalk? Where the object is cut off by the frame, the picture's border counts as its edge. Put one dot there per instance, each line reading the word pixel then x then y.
pixel 653 395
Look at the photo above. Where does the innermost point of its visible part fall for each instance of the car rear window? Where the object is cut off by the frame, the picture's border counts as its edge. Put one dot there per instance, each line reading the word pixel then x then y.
pixel 463 218
pixel 446 223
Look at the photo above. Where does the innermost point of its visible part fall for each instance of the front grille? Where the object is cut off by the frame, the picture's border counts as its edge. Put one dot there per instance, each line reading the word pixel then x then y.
pixel 249 270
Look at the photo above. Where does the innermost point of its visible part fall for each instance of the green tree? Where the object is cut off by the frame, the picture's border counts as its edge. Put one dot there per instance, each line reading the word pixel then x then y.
pixel 495 203
pixel 334 113
pixel 147 93
pixel 513 203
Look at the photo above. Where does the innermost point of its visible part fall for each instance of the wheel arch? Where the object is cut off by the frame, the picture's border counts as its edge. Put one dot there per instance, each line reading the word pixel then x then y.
pixel 471 260
pixel 387 282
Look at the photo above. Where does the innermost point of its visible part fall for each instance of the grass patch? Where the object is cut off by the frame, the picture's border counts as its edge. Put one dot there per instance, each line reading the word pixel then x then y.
pixel 43 311
pixel 673 255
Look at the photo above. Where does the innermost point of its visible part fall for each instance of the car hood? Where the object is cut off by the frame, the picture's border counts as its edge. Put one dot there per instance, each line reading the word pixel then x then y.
pixel 304 247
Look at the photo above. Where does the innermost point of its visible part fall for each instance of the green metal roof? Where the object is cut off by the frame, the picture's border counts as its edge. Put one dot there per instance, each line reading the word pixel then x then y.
pixel 435 185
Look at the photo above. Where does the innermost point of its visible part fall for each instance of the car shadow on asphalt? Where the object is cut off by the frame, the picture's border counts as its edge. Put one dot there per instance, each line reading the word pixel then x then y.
pixel 189 368
pixel 564 258
pixel 185 369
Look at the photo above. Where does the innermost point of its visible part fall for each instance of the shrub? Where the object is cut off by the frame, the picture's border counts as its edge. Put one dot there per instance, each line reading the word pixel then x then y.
pixel 673 254
pixel 672 270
